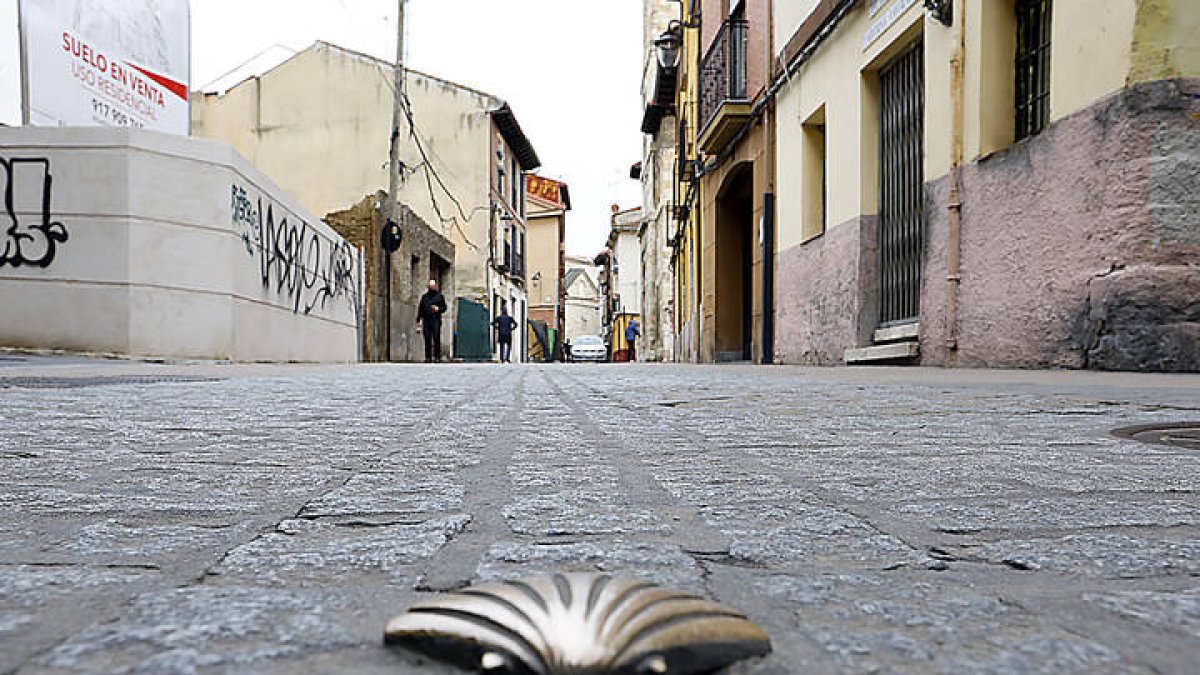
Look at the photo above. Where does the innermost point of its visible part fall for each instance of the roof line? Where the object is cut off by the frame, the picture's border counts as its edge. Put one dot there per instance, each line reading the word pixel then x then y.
pixel 510 129
pixel 352 52
pixel 390 64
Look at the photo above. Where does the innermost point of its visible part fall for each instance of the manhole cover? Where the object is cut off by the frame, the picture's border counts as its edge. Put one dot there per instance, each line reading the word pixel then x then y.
pixel 1179 434
pixel 77 382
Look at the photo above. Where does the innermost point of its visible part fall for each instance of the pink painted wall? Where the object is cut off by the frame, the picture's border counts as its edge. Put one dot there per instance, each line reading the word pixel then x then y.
pixel 1079 246
pixel 1080 249
pixel 825 294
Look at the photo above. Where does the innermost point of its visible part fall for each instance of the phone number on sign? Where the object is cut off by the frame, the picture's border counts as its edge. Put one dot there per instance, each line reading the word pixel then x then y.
pixel 107 114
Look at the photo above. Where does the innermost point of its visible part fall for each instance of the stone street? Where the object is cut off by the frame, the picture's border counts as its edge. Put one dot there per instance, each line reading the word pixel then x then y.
pixel 178 518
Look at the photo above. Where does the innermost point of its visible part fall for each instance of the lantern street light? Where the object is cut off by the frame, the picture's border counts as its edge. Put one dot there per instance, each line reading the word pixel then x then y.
pixel 668 46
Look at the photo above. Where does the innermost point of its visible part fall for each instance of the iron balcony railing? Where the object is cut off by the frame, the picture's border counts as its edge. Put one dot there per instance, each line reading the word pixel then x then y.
pixel 723 70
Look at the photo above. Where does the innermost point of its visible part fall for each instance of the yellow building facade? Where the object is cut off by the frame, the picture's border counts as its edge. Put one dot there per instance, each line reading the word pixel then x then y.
pixel 995 183
pixel 688 192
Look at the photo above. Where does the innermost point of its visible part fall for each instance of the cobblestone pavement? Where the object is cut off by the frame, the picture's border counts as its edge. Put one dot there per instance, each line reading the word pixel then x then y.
pixel 208 518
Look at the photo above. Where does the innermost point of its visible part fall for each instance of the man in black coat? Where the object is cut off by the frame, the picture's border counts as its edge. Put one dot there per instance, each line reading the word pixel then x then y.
pixel 505 325
pixel 429 315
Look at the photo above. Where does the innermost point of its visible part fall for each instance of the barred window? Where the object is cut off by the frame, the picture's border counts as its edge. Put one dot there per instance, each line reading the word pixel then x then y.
pixel 1032 66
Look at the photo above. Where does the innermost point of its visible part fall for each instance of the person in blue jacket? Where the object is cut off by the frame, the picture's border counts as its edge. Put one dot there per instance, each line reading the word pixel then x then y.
pixel 633 331
pixel 505 325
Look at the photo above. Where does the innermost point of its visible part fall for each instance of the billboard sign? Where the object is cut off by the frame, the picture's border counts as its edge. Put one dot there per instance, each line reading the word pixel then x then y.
pixel 98 62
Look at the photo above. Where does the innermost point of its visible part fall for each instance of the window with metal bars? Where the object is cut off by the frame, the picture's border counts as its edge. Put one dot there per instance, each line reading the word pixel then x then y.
pixel 1032 66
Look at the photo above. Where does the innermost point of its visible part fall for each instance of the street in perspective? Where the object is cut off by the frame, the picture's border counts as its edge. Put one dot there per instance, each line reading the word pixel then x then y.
pixel 270 519
pixel 658 337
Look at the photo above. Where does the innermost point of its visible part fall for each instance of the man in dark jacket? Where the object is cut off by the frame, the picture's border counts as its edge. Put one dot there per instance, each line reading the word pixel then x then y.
pixel 633 331
pixel 505 325
pixel 429 315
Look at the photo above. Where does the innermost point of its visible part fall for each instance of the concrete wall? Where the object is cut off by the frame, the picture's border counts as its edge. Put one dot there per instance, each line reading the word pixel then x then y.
pixel 146 244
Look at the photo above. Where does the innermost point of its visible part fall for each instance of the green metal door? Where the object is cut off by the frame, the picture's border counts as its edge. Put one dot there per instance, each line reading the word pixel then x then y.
pixel 472 333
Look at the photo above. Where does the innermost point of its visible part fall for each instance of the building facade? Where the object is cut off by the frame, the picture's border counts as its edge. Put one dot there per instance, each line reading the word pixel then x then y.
pixel 507 272
pixel 622 278
pixel 583 308
pixel 687 192
pixel 736 177
pixel 722 239
pixel 548 202
pixel 395 280
pixel 1002 183
pixel 462 151
pixel 656 172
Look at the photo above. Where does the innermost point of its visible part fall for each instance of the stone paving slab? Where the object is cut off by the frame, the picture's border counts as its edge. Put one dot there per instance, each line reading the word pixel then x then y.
pixel 181 517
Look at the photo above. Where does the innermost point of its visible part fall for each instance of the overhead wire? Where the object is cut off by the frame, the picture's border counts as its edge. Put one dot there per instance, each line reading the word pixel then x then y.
pixel 430 172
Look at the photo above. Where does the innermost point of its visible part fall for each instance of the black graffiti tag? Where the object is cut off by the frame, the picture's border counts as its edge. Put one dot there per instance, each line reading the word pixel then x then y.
pixel 33 244
pixel 293 258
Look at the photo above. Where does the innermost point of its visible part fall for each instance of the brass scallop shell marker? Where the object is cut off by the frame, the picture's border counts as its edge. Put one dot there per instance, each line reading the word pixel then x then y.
pixel 578 624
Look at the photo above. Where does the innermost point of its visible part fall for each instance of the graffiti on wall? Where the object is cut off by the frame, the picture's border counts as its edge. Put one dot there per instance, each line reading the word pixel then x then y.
pixel 294 259
pixel 30 237
pixel 245 218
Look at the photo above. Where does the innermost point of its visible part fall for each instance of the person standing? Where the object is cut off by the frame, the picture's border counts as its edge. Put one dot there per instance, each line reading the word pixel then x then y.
pixel 429 316
pixel 505 325
pixel 633 331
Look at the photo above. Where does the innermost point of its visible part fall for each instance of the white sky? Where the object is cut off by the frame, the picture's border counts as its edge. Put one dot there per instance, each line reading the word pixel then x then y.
pixel 571 69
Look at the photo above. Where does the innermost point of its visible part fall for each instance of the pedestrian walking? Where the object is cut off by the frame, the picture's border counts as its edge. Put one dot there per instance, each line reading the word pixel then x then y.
pixel 429 318
pixel 633 331
pixel 505 325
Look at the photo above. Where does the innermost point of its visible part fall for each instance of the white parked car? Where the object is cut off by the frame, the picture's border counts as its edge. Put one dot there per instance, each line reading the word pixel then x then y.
pixel 589 348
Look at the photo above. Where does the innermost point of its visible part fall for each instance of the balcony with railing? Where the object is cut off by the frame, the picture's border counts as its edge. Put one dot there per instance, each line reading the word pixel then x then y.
pixel 724 99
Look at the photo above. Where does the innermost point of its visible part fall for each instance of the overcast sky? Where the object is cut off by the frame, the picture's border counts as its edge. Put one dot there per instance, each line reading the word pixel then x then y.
pixel 570 69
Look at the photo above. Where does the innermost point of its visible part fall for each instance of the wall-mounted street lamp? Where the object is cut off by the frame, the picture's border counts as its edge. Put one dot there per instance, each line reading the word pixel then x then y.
pixel 942 10
pixel 668 46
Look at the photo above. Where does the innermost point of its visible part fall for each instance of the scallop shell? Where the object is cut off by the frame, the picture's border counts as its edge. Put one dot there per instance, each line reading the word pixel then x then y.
pixel 578 624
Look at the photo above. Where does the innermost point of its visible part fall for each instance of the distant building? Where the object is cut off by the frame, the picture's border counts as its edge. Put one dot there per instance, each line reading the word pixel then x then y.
pixel 547 202
pixel 319 124
pixel 656 172
pixel 623 283
pixel 583 303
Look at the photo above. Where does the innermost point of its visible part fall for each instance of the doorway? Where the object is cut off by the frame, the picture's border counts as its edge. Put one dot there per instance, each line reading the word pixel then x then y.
pixel 735 266
pixel 901 187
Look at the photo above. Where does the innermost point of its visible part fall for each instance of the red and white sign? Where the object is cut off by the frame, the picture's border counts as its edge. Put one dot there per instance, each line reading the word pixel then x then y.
pixel 116 64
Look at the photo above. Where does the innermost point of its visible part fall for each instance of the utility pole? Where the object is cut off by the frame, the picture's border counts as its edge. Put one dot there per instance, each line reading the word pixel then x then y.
pixel 393 211
pixel 397 114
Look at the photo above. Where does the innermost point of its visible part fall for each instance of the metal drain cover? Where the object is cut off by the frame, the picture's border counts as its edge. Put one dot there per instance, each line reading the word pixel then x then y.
pixel 1179 434
pixel 578 624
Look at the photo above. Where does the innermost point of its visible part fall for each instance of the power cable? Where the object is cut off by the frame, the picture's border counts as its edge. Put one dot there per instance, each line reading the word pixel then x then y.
pixel 430 171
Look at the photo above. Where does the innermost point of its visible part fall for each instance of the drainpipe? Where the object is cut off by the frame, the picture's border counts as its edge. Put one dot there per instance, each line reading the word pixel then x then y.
pixel 954 243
